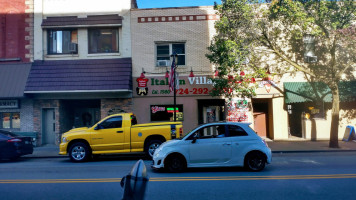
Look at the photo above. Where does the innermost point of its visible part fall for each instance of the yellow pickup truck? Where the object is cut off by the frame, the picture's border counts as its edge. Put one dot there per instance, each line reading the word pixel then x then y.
pixel 117 133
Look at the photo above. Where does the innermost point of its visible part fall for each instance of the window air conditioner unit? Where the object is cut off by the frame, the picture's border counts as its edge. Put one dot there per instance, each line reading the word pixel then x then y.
pixel 73 47
pixel 163 63
pixel 310 59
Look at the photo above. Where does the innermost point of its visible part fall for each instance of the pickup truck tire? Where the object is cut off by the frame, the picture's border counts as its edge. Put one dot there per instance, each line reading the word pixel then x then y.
pixel 79 152
pixel 151 146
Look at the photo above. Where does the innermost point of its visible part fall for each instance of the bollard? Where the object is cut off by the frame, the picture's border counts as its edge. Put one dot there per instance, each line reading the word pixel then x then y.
pixel 134 184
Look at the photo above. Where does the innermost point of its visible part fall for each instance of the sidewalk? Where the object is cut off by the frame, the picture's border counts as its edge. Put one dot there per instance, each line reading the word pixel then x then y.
pixel 51 151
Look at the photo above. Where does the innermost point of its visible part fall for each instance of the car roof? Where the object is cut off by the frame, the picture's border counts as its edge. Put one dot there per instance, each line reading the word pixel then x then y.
pixel 227 123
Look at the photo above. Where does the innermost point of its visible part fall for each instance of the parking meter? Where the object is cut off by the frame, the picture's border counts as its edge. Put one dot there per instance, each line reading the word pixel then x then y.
pixel 135 182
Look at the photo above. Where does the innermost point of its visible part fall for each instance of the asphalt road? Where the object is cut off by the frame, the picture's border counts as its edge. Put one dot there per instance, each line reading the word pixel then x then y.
pixel 290 176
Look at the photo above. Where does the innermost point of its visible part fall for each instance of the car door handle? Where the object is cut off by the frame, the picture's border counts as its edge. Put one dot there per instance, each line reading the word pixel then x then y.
pixel 119 131
pixel 226 144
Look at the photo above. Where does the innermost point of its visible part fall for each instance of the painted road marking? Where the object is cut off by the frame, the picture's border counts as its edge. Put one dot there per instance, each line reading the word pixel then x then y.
pixel 173 179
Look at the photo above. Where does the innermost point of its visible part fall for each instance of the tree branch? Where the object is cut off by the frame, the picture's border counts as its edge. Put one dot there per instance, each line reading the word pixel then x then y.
pixel 280 54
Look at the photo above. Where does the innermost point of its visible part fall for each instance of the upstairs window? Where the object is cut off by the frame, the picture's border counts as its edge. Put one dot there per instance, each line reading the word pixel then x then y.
pixel 62 41
pixel 165 50
pixel 104 40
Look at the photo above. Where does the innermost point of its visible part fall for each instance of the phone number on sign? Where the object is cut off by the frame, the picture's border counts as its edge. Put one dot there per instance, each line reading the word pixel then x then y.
pixel 183 91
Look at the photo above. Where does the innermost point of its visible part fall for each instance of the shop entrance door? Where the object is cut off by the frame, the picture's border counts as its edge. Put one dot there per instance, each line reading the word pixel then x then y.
pixel 260 123
pixel 211 114
pixel 49 126
pixel 260 116
pixel 210 110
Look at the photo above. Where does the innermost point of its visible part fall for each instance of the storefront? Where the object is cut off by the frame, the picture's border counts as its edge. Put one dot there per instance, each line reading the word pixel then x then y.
pixel 77 93
pixel 15 108
pixel 309 112
pixel 153 101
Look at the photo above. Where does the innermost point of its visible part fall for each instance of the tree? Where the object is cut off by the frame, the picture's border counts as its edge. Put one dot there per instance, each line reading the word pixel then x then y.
pixel 273 36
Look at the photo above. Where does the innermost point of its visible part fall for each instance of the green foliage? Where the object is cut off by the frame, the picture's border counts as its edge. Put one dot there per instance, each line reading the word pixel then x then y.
pixel 254 32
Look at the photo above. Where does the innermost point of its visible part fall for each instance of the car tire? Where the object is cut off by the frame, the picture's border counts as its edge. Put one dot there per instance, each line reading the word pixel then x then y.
pixel 255 161
pixel 175 163
pixel 79 152
pixel 151 146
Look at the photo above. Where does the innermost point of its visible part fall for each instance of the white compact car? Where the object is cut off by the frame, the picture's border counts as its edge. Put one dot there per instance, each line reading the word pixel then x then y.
pixel 222 144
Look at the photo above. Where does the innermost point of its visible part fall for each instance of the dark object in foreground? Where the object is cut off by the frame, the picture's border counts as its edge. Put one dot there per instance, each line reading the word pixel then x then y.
pixel 13 146
pixel 134 184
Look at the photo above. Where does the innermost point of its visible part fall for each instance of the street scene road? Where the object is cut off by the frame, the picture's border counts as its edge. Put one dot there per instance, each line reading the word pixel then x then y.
pixel 317 175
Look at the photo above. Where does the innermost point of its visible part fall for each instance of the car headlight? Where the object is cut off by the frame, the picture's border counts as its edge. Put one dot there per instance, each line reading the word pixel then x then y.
pixel 64 139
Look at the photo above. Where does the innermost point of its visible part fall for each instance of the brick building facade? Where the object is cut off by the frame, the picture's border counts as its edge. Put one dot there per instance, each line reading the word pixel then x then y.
pixel 16 55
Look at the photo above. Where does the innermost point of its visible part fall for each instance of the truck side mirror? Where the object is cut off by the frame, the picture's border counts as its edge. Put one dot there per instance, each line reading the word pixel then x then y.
pixel 98 127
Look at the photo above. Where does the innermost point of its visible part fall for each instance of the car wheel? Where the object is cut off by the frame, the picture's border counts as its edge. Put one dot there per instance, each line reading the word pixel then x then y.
pixel 255 161
pixel 152 146
pixel 175 164
pixel 79 152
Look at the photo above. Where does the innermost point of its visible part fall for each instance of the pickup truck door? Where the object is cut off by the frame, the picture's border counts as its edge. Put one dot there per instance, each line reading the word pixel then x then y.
pixel 109 135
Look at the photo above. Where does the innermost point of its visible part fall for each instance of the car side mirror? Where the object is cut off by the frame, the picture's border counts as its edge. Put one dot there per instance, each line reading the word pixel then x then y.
pixel 195 137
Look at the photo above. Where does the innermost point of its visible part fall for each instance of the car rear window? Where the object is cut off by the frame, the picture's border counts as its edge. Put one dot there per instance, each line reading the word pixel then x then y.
pixel 236 131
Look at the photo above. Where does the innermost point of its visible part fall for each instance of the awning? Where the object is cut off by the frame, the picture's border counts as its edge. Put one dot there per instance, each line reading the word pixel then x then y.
pixel 13 79
pixel 89 21
pixel 80 76
pixel 299 92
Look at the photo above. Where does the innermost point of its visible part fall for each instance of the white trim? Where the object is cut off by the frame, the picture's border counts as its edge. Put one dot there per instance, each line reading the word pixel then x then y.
pixel 76 91
pixel 82 26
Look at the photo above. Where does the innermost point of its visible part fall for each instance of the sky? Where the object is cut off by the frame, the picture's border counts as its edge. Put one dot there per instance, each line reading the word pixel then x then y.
pixel 174 3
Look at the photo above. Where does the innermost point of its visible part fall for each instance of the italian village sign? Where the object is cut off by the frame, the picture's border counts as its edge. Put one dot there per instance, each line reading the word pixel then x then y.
pixel 158 86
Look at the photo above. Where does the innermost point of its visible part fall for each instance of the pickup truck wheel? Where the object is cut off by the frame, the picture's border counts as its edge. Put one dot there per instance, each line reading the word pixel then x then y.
pixel 152 146
pixel 79 152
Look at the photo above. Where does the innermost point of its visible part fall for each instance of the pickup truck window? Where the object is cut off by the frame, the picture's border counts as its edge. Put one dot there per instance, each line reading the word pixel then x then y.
pixel 113 122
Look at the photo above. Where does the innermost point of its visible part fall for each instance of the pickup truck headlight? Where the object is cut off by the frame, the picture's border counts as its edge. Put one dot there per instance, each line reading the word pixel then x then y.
pixel 64 139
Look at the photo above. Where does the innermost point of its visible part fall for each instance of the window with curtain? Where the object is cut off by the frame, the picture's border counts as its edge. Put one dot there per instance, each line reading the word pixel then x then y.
pixel 62 41
pixel 103 40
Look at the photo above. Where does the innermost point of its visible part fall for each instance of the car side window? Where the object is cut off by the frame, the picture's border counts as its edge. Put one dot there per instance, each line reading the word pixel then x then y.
pixel 113 122
pixel 209 132
pixel 236 131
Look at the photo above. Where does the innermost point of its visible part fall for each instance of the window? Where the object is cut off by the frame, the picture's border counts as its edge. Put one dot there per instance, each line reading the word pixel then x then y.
pixel 164 52
pixel 103 40
pixel 215 131
pixel 236 131
pixel 62 41
pixel 113 122
pixel 10 120
pixel 166 112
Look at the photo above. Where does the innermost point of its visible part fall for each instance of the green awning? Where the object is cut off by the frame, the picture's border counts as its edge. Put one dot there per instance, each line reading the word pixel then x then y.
pixel 299 92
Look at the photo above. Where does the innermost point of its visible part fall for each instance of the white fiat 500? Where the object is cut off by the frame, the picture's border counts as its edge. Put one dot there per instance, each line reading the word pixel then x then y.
pixel 222 144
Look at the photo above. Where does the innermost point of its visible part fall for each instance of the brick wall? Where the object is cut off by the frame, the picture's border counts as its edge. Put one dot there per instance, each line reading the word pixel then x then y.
pixel 192 25
pixel 16 30
pixel 26 115
pixel 115 105
pixel 39 105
